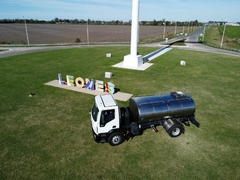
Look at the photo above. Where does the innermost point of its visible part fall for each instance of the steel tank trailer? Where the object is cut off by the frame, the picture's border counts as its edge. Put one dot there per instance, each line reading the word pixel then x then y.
pixel 150 108
pixel 168 110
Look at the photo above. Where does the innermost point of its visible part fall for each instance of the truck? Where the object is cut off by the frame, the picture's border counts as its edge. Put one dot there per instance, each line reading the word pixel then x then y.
pixel 114 124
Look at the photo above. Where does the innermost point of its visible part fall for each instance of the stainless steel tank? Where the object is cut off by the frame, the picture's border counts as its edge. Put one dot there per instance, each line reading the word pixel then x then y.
pixel 150 108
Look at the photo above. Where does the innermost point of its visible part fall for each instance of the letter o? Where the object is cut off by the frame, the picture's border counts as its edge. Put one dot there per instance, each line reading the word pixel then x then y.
pixel 81 84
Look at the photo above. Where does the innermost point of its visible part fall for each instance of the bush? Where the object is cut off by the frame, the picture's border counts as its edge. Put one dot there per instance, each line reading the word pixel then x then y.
pixel 78 40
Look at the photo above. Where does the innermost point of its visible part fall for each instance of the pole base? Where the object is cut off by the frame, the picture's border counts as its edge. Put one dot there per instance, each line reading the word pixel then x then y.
pixel 132 61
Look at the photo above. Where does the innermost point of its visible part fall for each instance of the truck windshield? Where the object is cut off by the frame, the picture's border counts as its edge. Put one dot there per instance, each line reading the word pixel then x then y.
pixel 95 111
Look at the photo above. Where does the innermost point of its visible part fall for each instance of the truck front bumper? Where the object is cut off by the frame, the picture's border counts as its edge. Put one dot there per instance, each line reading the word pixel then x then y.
pixel 99 138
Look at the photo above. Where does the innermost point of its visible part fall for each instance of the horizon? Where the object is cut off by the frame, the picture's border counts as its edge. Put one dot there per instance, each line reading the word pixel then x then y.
pixel 104 21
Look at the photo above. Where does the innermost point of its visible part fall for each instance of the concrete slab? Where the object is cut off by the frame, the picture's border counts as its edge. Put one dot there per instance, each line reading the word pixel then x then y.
pixel 118 96
pixel 140 68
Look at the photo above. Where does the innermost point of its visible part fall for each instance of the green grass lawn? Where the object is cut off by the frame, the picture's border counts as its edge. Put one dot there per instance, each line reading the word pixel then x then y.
pixel 48 136
pixel 213 35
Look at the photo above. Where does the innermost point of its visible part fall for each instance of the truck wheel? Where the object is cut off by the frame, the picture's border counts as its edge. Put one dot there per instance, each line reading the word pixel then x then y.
pixel 115 139
pixel 175 130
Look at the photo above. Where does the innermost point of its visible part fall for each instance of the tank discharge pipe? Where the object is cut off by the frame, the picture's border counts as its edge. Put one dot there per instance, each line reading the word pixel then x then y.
pixel 154 128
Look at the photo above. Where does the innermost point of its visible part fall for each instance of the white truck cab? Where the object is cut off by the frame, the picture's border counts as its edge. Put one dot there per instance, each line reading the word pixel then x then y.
pixel 105 115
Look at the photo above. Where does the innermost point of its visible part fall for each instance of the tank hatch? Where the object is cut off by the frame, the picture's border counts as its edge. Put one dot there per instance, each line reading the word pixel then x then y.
pixel 178 95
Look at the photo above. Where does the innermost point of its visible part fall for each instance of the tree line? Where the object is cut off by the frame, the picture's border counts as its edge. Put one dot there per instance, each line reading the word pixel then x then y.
pixel 99 22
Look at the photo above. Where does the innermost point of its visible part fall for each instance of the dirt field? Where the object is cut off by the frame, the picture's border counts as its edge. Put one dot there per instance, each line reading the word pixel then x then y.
pixel 66 33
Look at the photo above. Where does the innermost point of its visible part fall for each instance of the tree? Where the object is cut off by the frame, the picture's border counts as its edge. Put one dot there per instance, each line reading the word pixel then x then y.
pixel 154 23
pixel 56 20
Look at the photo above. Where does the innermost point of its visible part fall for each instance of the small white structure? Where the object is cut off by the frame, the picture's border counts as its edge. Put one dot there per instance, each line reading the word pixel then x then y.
pixel 183 63
pixel 108 55
pixel 133 59
pixel 108 75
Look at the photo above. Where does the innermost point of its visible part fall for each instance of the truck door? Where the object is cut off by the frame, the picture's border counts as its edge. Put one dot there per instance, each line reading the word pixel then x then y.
pixel 108 121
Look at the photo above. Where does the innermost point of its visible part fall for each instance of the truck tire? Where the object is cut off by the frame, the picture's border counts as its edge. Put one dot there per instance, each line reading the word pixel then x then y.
pixel 115 139
pixel 175 130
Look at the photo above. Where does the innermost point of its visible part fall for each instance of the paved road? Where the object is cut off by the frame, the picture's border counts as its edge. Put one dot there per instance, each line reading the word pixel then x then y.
pixel 191 44
pixel 12 51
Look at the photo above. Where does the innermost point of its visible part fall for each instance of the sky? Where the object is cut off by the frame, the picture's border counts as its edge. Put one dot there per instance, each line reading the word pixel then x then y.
pixel 107 10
